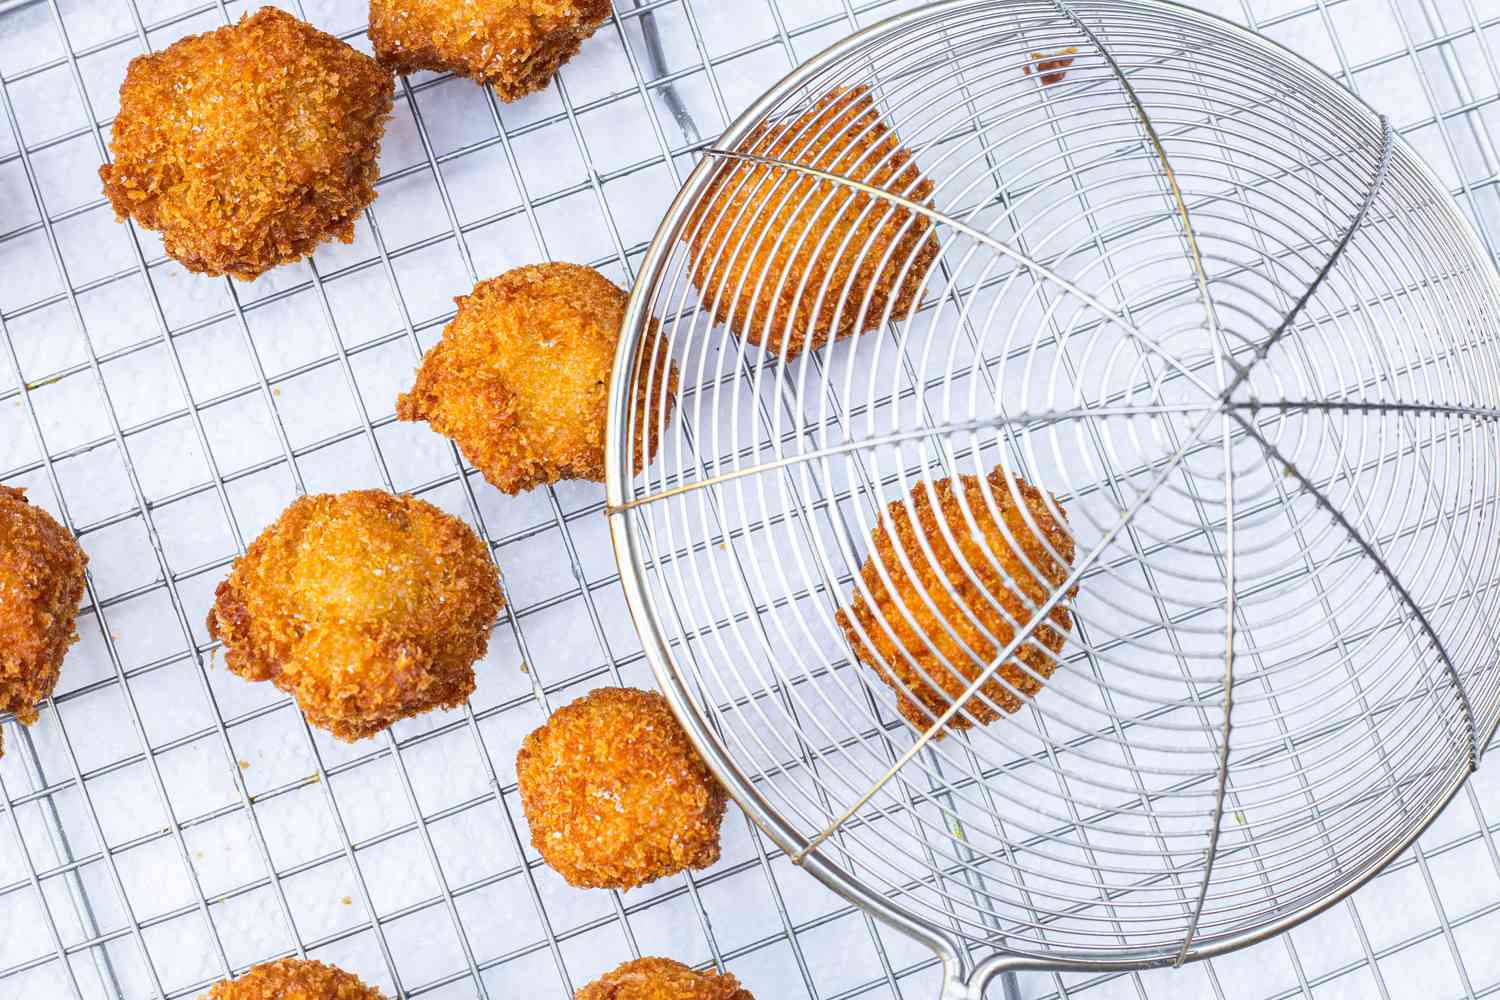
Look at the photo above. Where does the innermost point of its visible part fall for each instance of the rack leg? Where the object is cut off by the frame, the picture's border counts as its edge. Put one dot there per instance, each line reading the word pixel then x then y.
pixel 82 908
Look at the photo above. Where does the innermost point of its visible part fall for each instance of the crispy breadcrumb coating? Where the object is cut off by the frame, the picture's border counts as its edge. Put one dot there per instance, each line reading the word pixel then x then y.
pixel 365 607
pixel 248 146
pixel 797 225
pixel 520 380
pixel 41 583
pixel 1018 585
pixel 515 46
pixel 293 979
pixel 615 793
pixel 663 979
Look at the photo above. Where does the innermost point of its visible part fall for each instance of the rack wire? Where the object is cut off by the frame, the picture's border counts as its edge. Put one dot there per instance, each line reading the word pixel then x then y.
pixel 165 825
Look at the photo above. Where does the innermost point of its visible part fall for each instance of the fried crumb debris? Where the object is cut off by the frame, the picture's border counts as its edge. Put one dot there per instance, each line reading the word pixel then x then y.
pixel 1050 69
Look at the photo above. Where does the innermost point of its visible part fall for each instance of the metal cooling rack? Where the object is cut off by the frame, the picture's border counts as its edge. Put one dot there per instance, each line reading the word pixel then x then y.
pixel 166 824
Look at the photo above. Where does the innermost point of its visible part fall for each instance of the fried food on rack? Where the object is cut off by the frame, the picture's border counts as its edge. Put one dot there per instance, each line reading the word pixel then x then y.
pixel 248 146
pixel 41 583
pixel 615 793
pixel 663 979
pixel 515 46
pixel 365 607
pixel 520 380
pixel 760 231
pixel 293 979
pixel 1015 562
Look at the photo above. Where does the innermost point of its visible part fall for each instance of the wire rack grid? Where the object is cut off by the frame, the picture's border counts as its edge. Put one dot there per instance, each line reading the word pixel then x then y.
pixel 165 824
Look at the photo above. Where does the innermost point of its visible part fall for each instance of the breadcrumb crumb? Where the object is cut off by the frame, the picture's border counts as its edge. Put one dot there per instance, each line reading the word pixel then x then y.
pixel 248 146
pixel 616 794
pixel 1052 69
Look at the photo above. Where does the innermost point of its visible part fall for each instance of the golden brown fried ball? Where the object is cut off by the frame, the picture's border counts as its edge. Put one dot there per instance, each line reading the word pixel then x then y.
pixel 663 979
pixel 752 278
pixel 248 146
pixel 1018 585
pixel 615 793
pixel 294 979
pixel 520 380
pixel 41 583
pixel 365 607
pixel 515 46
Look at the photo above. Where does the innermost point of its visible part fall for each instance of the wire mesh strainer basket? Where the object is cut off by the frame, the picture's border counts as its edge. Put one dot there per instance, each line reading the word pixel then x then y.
pixel 1239 339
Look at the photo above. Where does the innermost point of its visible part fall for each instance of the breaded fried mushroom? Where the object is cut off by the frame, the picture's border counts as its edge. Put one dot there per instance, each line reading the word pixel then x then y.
pixel 663 979
pixel 759 232
pixel 293 979
pixel 1017 567
pixel 615 793
pixel 520 380
pixel 248 146
pixel 41 583
pixel 365 607
pixel 515 46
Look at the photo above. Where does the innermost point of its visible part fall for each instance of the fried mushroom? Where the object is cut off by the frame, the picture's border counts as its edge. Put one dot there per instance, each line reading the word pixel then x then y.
pixel 952 612
pixel 616 794
pixel 663 979
pixel 41 582
pixel 367 608
pixel 248 146
pixel 515 46
pixel 520 380
pixel 760 231
pixel 293 979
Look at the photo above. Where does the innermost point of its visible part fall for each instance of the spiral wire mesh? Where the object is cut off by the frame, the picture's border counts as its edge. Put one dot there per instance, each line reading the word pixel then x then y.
pixel 1242 339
